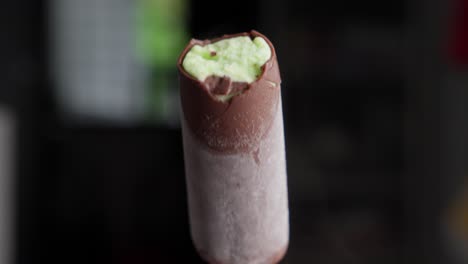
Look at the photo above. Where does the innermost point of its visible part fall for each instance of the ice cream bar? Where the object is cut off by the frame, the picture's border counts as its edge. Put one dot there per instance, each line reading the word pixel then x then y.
pixel 234 152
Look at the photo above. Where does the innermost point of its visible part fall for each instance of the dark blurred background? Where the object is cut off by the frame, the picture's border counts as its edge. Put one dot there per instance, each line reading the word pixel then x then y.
pixel 374 95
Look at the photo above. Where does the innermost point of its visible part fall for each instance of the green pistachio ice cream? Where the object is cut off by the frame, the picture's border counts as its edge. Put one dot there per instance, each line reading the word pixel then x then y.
pixel 239 58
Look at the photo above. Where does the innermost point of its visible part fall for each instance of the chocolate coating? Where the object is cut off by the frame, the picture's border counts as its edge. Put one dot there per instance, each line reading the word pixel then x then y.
pixel 238 124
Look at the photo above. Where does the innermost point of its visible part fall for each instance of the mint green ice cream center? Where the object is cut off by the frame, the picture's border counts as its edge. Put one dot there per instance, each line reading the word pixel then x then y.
pixel 239 58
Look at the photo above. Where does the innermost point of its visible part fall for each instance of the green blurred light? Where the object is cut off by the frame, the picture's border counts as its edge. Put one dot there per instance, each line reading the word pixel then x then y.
pixel 160 37
pixel 161 31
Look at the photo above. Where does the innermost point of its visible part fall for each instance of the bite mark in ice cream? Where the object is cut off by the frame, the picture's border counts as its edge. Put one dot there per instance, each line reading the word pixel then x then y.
pixel 239 58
